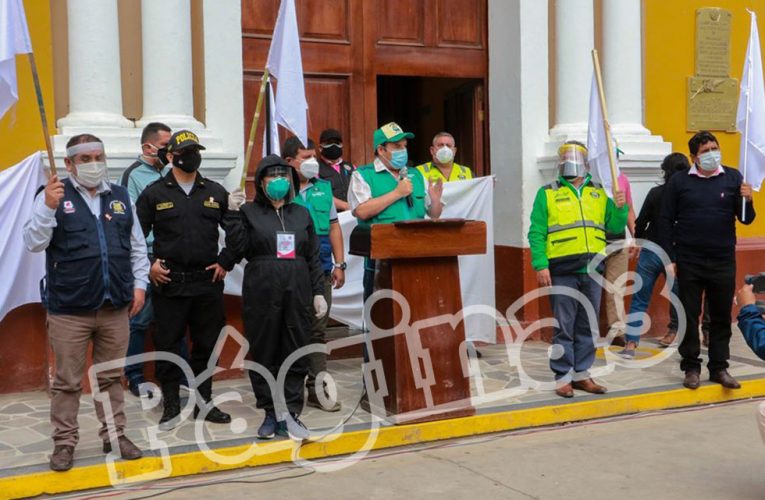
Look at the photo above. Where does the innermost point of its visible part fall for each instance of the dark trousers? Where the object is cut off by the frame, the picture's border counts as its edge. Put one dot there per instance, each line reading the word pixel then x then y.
pixel 204 316
pixel 317 361
pixel 139 326
pixel 277 318
pixel 715 278
pixel 573 332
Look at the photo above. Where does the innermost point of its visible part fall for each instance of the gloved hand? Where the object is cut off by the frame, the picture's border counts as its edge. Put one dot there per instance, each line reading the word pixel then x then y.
pixel 319 305
pixel 236 199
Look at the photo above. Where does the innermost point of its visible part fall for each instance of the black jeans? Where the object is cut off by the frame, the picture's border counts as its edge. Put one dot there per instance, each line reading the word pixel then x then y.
pixel 715 278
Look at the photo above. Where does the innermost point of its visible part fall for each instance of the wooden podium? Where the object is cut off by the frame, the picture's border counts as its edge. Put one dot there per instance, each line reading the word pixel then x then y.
pixel 418 259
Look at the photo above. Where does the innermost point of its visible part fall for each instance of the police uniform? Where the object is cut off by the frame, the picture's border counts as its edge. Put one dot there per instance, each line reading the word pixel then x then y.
pixel 185 227
pixel 316 197
pixel 568 228
pixel 432 173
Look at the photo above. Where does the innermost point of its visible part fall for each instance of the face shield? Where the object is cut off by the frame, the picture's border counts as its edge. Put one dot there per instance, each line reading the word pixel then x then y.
pixel 572 161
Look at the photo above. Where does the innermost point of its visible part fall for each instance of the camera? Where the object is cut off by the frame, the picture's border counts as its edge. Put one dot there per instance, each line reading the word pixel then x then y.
pixel 758 282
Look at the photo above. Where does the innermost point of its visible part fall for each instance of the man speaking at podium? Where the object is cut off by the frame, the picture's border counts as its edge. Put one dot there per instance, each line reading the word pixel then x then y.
pixel 386 191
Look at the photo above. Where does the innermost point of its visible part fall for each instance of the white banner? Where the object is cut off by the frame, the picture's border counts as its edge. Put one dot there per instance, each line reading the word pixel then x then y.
pixel 21 270
pixel 471 199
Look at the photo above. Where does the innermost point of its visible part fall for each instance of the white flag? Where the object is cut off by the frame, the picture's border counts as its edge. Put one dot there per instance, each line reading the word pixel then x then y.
pixel 20 268
pixel 286 65
pixel 597 144
pixel 14 39
pixel 274 139
pixel 750 119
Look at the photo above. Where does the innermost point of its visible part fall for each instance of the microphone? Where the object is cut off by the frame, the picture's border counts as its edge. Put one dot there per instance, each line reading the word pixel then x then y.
pixel 403 175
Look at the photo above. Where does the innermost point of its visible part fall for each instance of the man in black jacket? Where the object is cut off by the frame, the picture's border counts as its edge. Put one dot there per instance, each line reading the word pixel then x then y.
pixel 698 231
pixel 185 210
pixel 333 167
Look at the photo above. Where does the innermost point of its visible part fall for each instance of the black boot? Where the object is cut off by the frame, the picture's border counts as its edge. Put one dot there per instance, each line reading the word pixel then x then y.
pixel 211 413
pixel 171 414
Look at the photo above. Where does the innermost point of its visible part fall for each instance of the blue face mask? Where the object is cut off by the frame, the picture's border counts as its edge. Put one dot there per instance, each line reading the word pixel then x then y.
pixel 399 158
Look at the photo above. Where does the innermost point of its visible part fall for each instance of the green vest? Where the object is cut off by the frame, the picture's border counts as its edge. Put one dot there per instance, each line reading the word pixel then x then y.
pixel 576 224
pixel 318 201
pixel 382 183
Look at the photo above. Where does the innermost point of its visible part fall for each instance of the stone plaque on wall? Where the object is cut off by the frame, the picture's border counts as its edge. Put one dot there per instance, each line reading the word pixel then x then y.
pixel 712 103
pixel 713 28
pixel 712 95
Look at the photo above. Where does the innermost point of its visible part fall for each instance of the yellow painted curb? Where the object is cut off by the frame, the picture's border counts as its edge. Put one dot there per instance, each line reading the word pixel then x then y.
pixel 98 476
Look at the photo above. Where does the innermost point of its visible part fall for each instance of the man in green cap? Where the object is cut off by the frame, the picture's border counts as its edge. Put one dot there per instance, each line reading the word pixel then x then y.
pixel 386 191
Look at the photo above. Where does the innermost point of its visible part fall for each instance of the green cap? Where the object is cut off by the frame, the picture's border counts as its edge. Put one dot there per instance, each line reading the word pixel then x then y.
pixel 389 133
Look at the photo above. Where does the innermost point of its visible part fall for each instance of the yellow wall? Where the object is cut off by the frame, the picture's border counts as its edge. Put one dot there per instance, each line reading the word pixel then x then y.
pixel 20 128
pixel 669 60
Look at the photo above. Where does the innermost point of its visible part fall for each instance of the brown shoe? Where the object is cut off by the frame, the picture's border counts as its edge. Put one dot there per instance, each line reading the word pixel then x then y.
pixel 590 386
pixel 565 391
pixel 692 380
pixel 128 450
pixel 724 378
pixel 668 339
pixel 62 458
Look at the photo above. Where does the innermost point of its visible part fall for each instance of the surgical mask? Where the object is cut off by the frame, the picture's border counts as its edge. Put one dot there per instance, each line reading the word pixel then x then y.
pixel 445 154
pixel 571 169
pixel 710 161
pixel 91 174
pixel 332 151
pixel 188 161
pixel 277 188
pixel 399 158
pixel 309 168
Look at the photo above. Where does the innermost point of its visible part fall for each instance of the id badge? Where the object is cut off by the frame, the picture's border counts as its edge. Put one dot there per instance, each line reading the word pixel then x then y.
pixel 285 245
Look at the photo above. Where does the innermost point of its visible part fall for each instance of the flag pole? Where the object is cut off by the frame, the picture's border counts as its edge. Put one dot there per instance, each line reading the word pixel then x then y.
pixel 268 119
pixel 253 128
pixel 746 119
pixel 609 141
pixel 43 116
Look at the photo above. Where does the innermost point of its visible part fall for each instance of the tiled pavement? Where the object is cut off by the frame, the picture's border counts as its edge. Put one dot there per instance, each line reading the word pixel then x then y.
pixel 25 429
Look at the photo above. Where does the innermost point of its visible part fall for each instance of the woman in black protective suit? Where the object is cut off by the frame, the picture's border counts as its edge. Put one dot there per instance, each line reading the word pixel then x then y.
pixel 282 287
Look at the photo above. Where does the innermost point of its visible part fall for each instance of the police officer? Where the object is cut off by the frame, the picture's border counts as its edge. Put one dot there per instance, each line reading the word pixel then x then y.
pixel 334 168
pixel 569 221
pixel 185 210
pixel 147 169
pixel 385 191
pixel 316 195
pixel 281 291
pixel 443 166
pixel 96 274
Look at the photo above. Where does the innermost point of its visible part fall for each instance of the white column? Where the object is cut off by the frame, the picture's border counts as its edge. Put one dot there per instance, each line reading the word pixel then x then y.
pixel 518 88
pixel 574 41
pixel 224 84
pixel 623 65
pixel 168 94
pixel 95 84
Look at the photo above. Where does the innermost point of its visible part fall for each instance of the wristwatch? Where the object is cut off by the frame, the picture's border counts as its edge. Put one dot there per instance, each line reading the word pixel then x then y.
pixel 341 265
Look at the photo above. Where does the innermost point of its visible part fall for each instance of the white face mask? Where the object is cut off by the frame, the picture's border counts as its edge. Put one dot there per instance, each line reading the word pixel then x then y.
pixel 91 174
pixel 310 168
pixel 444 155
pixel 710 161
